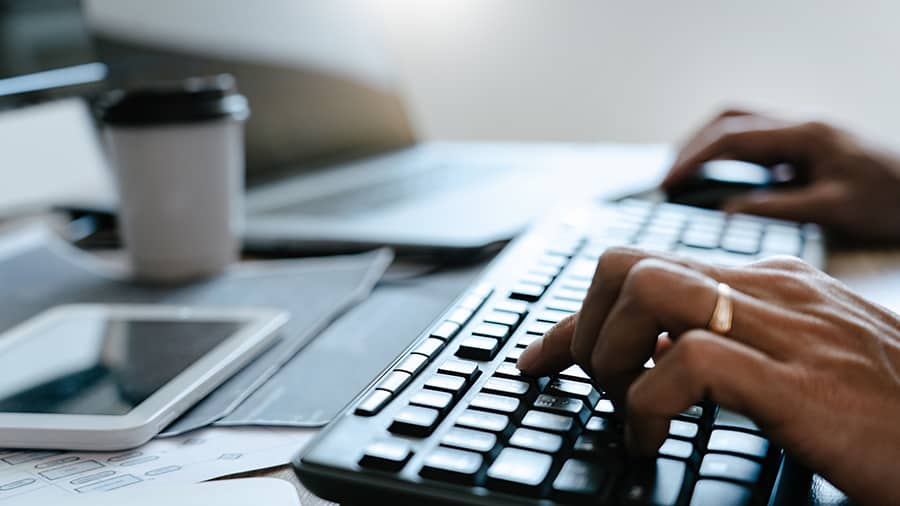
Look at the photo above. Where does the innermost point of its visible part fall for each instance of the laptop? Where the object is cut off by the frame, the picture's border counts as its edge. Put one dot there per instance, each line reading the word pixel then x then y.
pixel 334 164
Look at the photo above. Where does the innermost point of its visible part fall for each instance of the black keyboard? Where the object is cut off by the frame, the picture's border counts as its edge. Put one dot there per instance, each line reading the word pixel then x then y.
pixel 453 420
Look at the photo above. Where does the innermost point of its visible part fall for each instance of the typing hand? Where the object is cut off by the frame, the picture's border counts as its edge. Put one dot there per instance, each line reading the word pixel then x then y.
pixel 852 187
pixel 816 366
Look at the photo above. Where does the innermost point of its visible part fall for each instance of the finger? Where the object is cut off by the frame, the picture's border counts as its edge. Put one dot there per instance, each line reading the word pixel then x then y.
pixel 550 353
pixel 613 269
pixel 700 135
pixel 663 345
pixel 663 296
pixel 815 203
pixel 701 364
pixel 742 138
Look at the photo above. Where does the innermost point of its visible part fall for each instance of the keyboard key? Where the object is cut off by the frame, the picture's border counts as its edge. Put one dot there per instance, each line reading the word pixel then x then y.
pixel 440 401
pixel 471 302
pixel 519 471
pixel 373 402
pixel 692 414
pixel 744 245
pixel 569 306
pixel 683 430
pixel 549 422
pixel 445 331
pixel 605 407
pixel 575 284
pixel 395 381
pixel 729 441
pixel 536 440
pixel 461 368
pixel 727 419
pixel 496 403
pixel 658 484
pixel 512 306
pixel 467 439
pixel 704 239
pixel 415 421
pixel 510 387
pixel 526 292
pixel 429 347
pixel 460 315
pixel 678 449
pixel 577 389
pixel 575 373
pixel 478 348
pixel 582 270
pixel 446 383
pixel 514 354
pixel 452 465
pixel 539 328
pixel 500 332
pixel 579 480
pixel 720 493
pixel 526 339
pixel 501 318
pixel 553 261
pixel 483 290
pixel 509 370
pixel 552 317
pixel 729 467
pixel 569 294
pixel 544 269
pixel 775 243
pixel 598 446
pixel 491 422
pixel 535 278
pixel 387 455
pixel 599 424
pixel 412 364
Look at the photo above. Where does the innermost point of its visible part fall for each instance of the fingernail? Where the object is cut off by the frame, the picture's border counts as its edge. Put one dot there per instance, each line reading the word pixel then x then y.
pixel 527 358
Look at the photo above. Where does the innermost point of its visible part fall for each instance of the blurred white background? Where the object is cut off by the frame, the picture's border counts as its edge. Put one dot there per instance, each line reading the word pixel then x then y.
pixel 582 69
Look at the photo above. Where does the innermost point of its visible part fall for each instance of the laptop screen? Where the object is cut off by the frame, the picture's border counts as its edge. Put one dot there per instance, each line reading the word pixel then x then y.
pixel 319 87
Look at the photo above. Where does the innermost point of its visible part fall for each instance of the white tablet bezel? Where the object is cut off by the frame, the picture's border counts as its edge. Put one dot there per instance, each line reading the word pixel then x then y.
pixel 119 432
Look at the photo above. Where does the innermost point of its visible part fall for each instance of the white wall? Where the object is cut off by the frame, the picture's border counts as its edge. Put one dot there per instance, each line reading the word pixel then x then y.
pixel 641 70
pixel 576 69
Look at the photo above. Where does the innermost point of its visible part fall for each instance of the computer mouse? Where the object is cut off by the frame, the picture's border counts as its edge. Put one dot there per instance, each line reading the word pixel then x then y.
pixel 717 181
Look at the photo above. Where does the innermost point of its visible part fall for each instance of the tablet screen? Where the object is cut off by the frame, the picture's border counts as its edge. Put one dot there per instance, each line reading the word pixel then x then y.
pixel 92 365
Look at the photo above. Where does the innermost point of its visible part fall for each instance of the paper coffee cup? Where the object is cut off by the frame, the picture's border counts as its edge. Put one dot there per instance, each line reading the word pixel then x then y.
pixel 178 154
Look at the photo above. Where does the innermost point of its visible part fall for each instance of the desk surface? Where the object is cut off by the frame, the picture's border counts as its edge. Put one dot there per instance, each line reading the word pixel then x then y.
pixel 873 273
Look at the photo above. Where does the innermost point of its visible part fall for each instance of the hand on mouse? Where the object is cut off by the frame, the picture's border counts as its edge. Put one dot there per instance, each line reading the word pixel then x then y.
pixel 814 365
pixel 853 187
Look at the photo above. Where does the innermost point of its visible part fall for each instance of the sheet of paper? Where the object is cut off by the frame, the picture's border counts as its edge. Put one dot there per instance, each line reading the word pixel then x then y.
pixel 268 491
pixel 45 476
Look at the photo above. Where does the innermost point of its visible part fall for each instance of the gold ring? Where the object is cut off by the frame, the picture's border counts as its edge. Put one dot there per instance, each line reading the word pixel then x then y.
pixel 721 319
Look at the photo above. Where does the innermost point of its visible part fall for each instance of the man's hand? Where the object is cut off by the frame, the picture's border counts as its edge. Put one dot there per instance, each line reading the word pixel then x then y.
pixel 816 366
pixel 853 188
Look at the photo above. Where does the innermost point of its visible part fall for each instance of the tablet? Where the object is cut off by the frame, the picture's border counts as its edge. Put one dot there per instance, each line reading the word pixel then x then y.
pixel 110 377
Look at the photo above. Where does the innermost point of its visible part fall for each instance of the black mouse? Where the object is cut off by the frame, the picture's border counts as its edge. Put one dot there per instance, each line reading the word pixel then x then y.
pixel 717 181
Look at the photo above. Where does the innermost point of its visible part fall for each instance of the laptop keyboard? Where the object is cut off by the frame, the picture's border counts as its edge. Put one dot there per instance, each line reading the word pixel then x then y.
pixel 453 419
pixel 384 193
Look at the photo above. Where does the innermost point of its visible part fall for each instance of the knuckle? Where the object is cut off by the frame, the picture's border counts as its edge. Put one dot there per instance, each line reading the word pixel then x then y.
pixel 694 350
pixel 615 257
pixel 785 263
pixel 645 278
pixel 732 111
pixel 818 130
